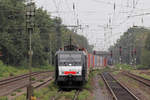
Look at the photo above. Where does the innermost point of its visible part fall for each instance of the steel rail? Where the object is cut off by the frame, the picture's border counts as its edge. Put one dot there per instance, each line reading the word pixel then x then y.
pixel 138 78
pixel 118 91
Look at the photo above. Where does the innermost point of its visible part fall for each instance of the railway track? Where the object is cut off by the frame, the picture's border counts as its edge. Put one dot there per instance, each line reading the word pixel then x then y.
pixel 138 78
pixel 57 95
pixel 75 97
pixel 19 77
pixel 14 83
pixel 35 86
pixel 118 91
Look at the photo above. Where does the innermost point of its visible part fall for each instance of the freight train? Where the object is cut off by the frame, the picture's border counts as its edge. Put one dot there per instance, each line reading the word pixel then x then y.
pixel 99 61
pixel 71 67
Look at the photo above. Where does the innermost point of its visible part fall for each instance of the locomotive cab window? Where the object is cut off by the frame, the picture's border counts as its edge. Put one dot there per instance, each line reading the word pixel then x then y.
pixel 70 59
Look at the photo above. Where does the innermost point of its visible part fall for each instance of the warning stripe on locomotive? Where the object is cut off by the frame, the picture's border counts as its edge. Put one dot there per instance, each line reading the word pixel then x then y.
pixel 73 70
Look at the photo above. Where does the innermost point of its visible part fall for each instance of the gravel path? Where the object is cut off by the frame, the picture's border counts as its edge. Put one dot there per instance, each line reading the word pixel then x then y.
pixel 100 93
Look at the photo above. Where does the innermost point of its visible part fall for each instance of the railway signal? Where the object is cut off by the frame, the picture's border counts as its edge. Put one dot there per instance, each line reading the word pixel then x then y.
pixel 1 54
pixel 135 51
pixel 94 52
pixel 111 53
pixel 30 14
pixel 120 51
pixel 135 55
pixel 132 53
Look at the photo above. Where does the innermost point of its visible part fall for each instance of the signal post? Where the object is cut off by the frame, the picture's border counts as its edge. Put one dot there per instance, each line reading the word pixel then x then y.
pixel 30 15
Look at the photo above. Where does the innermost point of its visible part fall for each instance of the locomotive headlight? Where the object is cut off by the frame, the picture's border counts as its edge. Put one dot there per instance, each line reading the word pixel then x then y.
pixel 70 64
pixel 78 71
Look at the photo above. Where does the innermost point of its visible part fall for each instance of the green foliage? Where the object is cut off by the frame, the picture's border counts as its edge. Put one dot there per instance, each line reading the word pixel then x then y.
pixel 6 71
pixel 47 93
pixel 19 90
pixel 135 37
pixel 41 80
pixel 46 67
pixel 145 58
pixel 13 94
pixel 124 67
pixel 88 85
pixel 49 35
pixel 144 76
pixel 142 67
pixel 84 95
pixel 147 43
pixel 22 97
pixel 68 95
pixel 33 79
pixel 42 94
pixel 3 98
pixel 106 69
pixel 116 72
pixel 139 73
pixel 53 86
pixel 101 83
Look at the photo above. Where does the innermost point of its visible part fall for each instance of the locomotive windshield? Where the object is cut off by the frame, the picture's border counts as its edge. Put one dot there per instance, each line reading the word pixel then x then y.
pixel 66 59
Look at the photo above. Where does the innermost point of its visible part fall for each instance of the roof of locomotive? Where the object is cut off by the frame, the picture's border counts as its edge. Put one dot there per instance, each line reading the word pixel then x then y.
pixel 69 52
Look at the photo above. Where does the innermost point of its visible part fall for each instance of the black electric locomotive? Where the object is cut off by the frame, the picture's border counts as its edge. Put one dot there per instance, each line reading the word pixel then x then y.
pixel 71 67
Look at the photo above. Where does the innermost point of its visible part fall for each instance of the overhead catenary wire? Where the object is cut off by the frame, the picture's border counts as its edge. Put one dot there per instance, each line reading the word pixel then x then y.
pixel 111 3
pixel 122 14
pixel 57 7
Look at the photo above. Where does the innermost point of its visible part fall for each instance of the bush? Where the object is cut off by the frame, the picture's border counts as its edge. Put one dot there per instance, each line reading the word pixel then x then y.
pixel 142 67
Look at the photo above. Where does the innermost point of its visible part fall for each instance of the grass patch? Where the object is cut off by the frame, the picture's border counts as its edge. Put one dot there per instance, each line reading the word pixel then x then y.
pixel 88 85
pixel 93 73
pixel 7 71
pixel 47 92
pixel 41 80
pixel 22 97
pixel 67 95
pixel 19 90
pixel 145 76
pixel 137 72
pixel 101 83
pixel 142 67
pixel 84 95
pixel 13 94
pixel 106 69
pixel 3 98
pixel 33 79
pixel 53 86
pixel 115 72
pixel 42 94
pixel 124 67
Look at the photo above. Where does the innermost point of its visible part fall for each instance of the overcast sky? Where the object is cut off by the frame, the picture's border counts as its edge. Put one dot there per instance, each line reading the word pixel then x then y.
pixel 118 15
